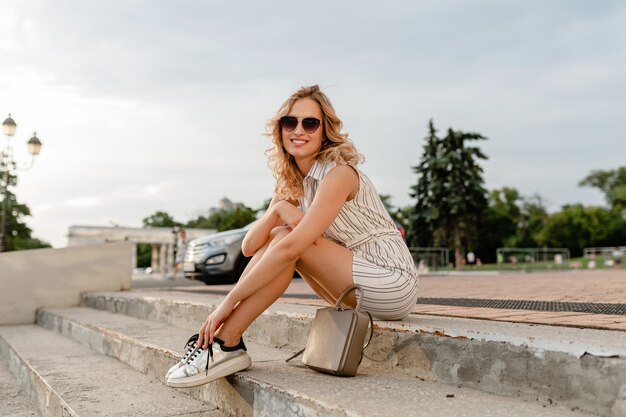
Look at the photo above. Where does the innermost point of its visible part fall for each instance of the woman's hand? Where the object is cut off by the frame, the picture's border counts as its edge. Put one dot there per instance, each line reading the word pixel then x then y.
pixel 289 213
pixel 213 322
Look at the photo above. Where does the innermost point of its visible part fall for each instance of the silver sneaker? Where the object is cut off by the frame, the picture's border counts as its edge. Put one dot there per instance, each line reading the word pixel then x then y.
pixel 191 347
pixel 207 365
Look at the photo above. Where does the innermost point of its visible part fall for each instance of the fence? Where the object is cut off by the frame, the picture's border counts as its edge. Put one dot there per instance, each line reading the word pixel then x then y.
pixel 603 257
pixel 533 259
pixel 430 259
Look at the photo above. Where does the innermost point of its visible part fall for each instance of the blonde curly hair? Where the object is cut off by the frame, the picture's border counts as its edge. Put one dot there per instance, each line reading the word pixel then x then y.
pixel 336 146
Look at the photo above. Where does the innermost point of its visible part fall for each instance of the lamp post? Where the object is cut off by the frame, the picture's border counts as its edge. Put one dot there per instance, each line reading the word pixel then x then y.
pixel 34 147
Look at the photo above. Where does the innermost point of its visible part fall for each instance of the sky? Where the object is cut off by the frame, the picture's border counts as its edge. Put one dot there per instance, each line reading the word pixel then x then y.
pixel 161 105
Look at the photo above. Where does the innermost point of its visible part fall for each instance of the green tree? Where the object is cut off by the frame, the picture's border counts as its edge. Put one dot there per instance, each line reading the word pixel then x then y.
pixel 612 183
pixel 144 255
pixel 576 227
pixel 498 223
pixel 222 220
pixel 511 220
pixel 450 192
pixel 18 234
pixel 157 219
pixel 532 219
pixel 160 219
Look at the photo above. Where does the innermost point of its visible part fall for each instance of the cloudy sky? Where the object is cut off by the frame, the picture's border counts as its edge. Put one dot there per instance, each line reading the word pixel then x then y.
pixel 161 105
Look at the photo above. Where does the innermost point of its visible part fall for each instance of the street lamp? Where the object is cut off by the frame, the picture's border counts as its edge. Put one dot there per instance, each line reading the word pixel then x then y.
pixel 34 147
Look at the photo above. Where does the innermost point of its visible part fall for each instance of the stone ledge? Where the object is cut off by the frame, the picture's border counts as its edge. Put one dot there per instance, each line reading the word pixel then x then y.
pixel 582 368
pixel 14 400
pixel 68 379
pixel 273 388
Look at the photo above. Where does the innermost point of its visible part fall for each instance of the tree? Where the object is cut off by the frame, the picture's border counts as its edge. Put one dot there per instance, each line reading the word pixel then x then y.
pixel 511 220
pixel 18 234
pixel 533 216
pixel 576 227
pixel 225 220
pixel 612 183
pixel 160 219
pixel 498 223
pixel 157 219
pixel 450 192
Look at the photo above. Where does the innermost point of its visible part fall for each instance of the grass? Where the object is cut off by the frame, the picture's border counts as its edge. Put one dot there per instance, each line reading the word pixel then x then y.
pixel 572 264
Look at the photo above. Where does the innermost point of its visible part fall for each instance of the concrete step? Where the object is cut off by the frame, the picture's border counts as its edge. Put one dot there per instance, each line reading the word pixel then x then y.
pixel 13 400
pixel 272 387
pixel 579 368
pixel 67 379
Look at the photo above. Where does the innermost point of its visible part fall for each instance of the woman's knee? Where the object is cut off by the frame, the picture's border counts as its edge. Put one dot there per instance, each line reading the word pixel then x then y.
pixel 279 233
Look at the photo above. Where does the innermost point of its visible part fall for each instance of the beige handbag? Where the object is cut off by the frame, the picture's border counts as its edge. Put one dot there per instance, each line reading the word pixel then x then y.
pixel 335 344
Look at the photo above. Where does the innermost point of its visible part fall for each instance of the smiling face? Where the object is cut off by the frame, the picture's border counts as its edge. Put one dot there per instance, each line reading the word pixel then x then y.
pixel 304 146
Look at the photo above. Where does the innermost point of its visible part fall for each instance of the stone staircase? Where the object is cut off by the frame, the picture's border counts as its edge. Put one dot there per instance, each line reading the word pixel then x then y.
pixel 108 358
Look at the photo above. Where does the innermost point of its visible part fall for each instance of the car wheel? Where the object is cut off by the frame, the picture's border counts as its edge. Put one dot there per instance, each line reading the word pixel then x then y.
pixel 242 262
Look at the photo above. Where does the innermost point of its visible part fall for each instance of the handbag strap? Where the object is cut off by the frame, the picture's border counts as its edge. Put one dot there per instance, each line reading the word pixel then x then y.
pixel 371 330
pixel 358 308
pixel 300 352
pixel 346 292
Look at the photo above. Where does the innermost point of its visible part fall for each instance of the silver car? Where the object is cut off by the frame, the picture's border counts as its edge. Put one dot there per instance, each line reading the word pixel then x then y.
pixel 216 258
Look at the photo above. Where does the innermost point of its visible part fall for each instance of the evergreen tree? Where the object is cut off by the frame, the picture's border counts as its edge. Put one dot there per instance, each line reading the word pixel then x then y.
pixel 499 223
pixel 18 234
pixel 450 192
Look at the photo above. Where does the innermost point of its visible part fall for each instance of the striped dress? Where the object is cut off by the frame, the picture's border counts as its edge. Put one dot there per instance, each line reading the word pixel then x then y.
pixel 381 261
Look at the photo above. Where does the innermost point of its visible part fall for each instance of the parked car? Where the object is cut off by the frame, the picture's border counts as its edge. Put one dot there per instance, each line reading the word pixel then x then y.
pixel 216 258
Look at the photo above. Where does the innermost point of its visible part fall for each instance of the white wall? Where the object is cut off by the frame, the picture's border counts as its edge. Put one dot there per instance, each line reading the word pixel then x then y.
pixel 37 278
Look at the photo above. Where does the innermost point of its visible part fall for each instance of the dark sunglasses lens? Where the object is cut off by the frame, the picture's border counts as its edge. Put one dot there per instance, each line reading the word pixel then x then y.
pixel 310 124
pixel 288 123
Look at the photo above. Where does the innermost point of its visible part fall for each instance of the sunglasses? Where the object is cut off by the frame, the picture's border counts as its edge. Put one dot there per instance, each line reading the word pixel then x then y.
pixel 290 123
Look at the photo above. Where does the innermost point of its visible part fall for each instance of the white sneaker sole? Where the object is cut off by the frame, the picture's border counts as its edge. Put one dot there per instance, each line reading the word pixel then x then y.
pixel 224 369
pixel 167 375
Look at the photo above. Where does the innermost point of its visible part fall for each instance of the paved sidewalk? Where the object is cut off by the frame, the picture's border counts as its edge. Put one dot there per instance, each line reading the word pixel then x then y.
pixel 605 287
pixel 577 286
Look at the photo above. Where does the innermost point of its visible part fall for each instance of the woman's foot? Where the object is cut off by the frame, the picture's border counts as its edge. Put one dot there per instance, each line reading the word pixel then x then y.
pixel 207 365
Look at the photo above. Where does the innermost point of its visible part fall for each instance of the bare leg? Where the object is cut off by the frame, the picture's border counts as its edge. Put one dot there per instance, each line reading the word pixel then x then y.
pixel 331 276
pixel 252 307
pixel 315 286
pixel 325 264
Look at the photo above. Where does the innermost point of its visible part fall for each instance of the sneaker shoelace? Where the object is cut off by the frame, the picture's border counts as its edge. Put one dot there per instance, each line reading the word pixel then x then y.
pixel 197 351
pixel 209 356
pixel 191 347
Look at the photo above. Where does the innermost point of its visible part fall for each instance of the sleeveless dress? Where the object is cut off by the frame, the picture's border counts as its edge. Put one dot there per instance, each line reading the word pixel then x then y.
pixel 381 261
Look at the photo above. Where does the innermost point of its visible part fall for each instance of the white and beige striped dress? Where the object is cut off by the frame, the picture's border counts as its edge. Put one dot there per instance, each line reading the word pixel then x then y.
pixel 381 262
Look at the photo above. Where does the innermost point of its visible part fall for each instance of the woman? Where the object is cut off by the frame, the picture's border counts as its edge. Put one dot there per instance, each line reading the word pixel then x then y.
pixel 326 221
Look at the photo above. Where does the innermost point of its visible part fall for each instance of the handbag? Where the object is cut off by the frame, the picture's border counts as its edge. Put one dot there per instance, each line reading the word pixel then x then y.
pixel 335 344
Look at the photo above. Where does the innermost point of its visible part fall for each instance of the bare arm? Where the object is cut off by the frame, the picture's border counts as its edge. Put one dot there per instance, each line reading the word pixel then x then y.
pixel 333 192
pixel 279 213
pixel 259 233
